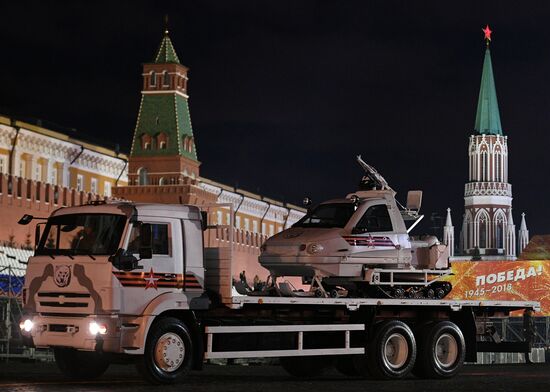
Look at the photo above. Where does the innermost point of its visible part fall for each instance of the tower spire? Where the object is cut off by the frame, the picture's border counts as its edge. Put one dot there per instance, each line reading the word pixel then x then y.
pixel 487 116
pixel 523 234
pixel 449 233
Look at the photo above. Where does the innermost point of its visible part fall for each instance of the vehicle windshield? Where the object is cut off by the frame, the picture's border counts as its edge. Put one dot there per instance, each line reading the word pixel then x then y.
pixel 327 215
pixel 82 234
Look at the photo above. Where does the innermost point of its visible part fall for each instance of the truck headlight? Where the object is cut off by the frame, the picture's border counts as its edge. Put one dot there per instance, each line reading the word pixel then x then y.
pixel 97 328
pixel 26 325
pixel 315 248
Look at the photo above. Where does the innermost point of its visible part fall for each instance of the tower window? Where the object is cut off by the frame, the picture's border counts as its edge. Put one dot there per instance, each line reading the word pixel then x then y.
pixel 153 79
pixel 166 79
pixel 162 145
pixel 147 146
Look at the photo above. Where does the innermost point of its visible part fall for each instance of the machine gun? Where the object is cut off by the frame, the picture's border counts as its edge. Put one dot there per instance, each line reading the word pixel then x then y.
pixel 372 180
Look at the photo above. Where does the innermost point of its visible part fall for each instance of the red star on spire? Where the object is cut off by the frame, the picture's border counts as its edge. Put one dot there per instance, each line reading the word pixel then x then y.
pixel 487 32
pixel 151 281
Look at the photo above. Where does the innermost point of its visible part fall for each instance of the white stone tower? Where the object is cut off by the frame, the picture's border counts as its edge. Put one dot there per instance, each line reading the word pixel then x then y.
pixel 449 234
pixel 488 228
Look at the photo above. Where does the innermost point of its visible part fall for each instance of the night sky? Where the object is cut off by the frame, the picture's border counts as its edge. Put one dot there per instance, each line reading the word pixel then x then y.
pixel 285 94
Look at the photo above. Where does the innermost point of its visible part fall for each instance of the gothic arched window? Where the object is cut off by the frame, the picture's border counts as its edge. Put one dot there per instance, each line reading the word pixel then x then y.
pixel 483 230
pixel 165 79
pixel 500 222
pixel 153 79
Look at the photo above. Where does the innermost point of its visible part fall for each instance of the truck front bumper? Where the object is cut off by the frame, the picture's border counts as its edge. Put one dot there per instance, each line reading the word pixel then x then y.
pixel 110 335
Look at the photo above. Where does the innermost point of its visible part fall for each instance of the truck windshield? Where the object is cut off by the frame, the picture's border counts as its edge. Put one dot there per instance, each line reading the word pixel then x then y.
pixel 87 234
pixel 327 215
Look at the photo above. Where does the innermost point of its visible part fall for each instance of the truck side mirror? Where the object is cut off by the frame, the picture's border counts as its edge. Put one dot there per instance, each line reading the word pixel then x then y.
pixel 124 261
pixel 145 241
pixel 37 235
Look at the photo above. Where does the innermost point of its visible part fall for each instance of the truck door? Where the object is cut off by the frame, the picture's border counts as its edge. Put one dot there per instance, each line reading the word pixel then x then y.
pixel 162 273
pixel 374 236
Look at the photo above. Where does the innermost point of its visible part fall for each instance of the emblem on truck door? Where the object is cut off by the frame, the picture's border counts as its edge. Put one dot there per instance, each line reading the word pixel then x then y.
pixel 62 275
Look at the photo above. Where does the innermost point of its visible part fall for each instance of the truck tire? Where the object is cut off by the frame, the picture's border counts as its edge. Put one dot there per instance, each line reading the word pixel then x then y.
pixel 168 352
pixel 305 367
pixel 441 351
pixel 80 365
pixel 391 352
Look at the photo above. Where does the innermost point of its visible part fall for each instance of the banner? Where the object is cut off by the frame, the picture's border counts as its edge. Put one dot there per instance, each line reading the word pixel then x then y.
pixel 502 281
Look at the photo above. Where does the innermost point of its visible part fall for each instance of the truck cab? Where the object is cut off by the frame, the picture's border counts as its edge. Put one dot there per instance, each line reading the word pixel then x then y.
pixel 101 273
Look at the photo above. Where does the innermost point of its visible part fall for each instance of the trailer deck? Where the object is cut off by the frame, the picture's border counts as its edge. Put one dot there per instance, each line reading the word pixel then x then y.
pixel 240 301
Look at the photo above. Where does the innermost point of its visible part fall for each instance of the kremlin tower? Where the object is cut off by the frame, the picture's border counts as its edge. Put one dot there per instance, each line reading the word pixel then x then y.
pixel 488 230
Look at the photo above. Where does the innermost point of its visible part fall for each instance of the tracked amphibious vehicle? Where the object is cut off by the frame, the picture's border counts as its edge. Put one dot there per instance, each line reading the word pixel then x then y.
pixel 360 246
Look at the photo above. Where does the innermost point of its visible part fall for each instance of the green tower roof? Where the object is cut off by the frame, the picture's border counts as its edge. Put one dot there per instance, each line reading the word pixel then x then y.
pixel 487 116
pixel 166 53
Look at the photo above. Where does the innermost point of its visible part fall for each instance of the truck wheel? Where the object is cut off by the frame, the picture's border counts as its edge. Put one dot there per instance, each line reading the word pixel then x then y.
pixel 168 352
pixel 441 351
pixel 305 367
pixel 80 365
pixel 391 352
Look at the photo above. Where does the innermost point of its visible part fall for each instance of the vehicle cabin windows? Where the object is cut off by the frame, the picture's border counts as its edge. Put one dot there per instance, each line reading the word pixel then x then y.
pixel 375 219
pixel 160 241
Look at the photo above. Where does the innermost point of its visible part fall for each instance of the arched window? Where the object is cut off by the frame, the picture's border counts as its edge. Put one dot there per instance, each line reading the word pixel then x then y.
pixel 483 230
pixel 147 146
pixel 500 222
pixel 142 176
pixel 498 167
pixel 162 145
pixel 162 181
pixel 165 79
pixel 153 79
pixel 466 231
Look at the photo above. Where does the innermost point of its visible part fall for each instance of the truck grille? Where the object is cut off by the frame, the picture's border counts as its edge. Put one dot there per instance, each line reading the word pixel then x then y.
pixel 63 300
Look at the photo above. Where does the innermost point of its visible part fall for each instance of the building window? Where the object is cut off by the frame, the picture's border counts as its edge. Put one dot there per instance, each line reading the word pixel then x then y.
pixel 22 168
pixel 271 230
pixel 238 222
pixel 79 182
pixel 162 145
pixel 166 79
pixel 3 164
pixel 53 176
pixel 219 218
pixel 147 146
pixel 153 79
pixel 93 187
pixel 254 226
pixel 38 172
pixel 107 188
pixel 246 224
pixel 142 176
pixel 263 228
pixel 228 219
